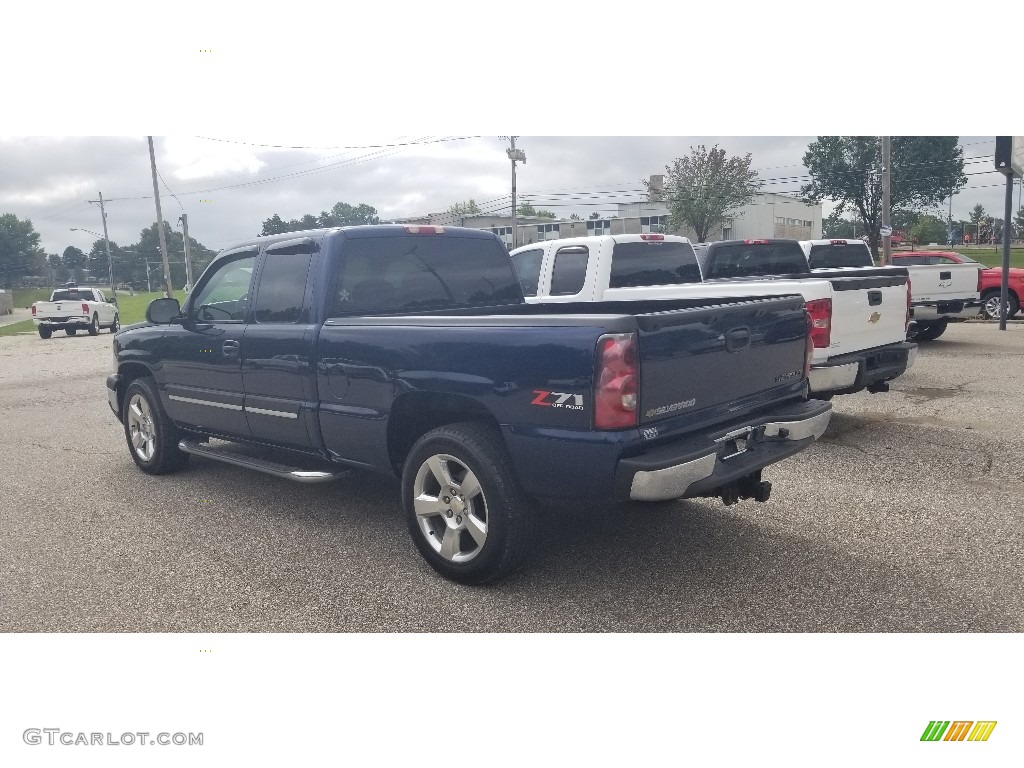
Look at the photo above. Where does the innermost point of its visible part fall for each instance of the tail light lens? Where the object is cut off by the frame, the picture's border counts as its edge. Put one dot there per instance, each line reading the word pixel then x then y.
pixel 424 230
pixel 652 237
pixel 85 308
pixel 616 381
pixel 820 311
pixel 33 310
pixel 808 346
pixel 979 281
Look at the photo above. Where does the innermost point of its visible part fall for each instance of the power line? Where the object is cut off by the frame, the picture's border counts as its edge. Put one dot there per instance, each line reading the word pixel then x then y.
pixel 366 146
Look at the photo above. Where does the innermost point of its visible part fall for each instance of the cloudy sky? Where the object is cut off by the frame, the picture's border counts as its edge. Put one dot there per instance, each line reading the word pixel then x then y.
pixel 228 184
pixel 378 103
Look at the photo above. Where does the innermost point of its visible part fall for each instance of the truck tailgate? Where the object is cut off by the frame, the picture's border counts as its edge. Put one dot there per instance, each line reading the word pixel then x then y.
pixel 868 310
pixel 944 282
pixel 712 362
pixel 58 309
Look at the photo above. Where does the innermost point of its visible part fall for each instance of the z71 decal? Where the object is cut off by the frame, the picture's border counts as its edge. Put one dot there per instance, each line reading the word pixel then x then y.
pixel 558 399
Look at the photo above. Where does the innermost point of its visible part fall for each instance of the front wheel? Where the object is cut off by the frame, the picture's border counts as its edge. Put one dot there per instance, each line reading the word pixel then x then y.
pixel 465 511
pixel 990 305
pixel 116 325
pixel 94 326
pixel 151 435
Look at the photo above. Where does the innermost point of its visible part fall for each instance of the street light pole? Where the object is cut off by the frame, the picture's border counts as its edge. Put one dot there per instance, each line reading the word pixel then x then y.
pixel 515 155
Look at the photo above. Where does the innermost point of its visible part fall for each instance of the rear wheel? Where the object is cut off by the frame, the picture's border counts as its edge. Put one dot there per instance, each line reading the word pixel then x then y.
pixel 94 326
pixel 990 305
pixel 151 435
pixel 465 511
pixel 44 333
pixel 931 331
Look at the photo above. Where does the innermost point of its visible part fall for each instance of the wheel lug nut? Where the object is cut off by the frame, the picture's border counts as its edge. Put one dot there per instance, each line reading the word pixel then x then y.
pixel 458 519
pixel 449 513
pixel 446 499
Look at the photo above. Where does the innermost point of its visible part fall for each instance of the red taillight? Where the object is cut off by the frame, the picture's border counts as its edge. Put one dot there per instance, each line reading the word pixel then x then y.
pixel 755 242
pixel 837 242
pixel 85 308
pixel 652 237
pixel 820 311
pixel 808 346
pixel 616 381
pixel 33 310
pixel 979 282
pixel 418 230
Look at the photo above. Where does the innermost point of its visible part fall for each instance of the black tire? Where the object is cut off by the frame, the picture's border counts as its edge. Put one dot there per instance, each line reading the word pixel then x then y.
pixel 116 325
pixel 44 333
pixel 932 330
pixel 165 455
pixel 70 331
pixel 990 305
pixel 509 516
pixel 94 326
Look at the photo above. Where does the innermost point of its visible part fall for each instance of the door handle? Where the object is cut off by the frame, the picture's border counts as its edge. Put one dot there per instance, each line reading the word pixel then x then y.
pixel 230 348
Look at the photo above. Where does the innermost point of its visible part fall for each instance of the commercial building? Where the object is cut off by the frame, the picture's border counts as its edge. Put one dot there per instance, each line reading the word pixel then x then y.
pixel 768 215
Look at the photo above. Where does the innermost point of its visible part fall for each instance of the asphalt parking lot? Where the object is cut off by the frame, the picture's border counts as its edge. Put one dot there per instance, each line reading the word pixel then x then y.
pixel 906 516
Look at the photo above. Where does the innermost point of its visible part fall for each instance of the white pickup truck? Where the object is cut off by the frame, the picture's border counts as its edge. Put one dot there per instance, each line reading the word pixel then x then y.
pixel 859 322
pixel 940 293
pixel 72 309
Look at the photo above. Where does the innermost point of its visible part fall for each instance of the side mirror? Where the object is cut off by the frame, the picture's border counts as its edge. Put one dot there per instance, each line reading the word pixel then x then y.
pixel 163 311
pixel 113 300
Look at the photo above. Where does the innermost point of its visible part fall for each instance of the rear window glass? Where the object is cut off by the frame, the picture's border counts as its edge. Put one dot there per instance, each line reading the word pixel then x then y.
pixel 527 265
pixel 570 271
pixel 72 295
pixel 386 275
pixel 836 256
pixel 654 262
pixel 755 259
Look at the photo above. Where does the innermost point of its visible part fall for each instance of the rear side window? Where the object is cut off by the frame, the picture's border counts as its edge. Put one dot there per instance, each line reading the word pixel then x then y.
pixel 282 289
pixel 840 255
pixel 410 273
pixel 756 259
pixel 909 261
pixel 655 262
pixel 527 265
pixel 570 271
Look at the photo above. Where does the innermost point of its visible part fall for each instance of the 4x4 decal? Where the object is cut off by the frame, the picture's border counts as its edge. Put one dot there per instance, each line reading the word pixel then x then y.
pixel 558 399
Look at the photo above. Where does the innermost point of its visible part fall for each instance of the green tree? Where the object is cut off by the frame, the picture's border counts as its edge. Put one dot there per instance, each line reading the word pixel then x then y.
pixel 19 248
pixel 836 225
pixel 595 215
pixel 576 217
pixel 341 215
pixel 75 261
pixel 928 229
pixel 526 209
pixel 468 208
pixel 705 188
pixel 148 249
pixel 925 170
pixel 1018 222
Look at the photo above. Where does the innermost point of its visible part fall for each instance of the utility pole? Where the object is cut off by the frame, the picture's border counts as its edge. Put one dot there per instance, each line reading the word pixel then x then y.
pixel 106 240
pixel 160 221
pixel 188 256
pixel 886 238
pixel 515 155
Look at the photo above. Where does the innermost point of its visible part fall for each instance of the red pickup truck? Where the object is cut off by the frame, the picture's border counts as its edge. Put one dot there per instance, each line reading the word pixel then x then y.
pixel 989 283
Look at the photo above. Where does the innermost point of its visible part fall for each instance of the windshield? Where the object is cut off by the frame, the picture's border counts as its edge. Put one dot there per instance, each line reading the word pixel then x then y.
pixel 653 262
pixel 840 255
pixel 741 259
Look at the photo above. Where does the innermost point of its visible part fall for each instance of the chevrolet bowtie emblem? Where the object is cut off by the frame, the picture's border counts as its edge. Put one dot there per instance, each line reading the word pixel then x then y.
pixel 875 317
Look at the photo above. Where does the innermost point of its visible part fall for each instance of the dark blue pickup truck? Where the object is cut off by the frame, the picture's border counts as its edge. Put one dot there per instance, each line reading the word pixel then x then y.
pixel 410 351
